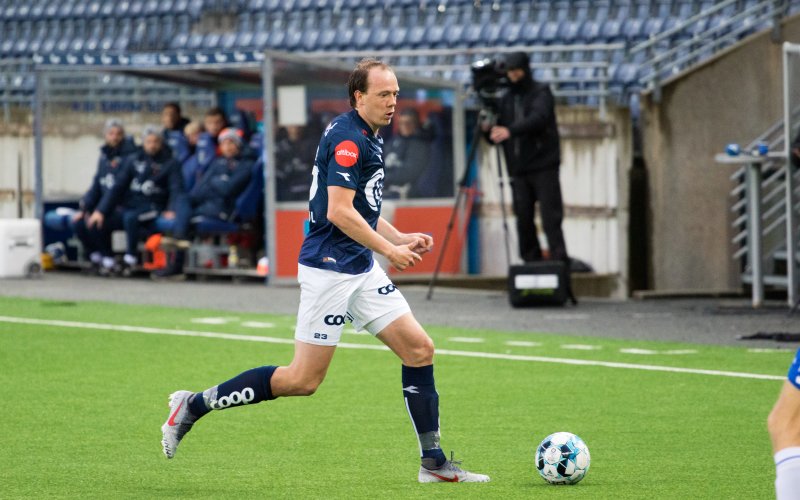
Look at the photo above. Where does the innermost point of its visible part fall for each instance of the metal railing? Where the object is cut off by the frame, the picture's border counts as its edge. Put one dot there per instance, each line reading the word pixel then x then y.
pixel 772 212
pixel 693 40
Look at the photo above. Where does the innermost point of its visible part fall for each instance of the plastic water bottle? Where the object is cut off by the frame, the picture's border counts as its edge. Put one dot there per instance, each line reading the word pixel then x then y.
pixel 233 256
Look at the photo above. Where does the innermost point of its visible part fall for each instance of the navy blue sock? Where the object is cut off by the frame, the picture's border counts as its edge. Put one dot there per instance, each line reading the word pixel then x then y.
pixel 422 402
pixel 246 388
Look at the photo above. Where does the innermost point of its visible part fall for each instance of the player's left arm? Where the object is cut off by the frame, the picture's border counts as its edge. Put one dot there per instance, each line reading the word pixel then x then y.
pixel 424 242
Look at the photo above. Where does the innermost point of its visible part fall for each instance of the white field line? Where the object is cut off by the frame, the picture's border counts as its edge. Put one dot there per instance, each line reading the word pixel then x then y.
pixel 377 347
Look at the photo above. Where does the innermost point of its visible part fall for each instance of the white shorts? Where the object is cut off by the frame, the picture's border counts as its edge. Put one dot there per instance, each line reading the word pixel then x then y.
pixel 328 299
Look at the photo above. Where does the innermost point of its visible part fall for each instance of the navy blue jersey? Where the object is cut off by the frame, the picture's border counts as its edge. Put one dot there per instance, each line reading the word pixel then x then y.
pixel 350 156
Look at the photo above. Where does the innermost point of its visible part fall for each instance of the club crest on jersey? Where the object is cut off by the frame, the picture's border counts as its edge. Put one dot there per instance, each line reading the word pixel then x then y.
pixel 346 153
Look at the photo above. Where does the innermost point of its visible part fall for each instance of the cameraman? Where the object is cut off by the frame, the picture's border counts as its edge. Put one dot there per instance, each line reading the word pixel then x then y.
pixel 526 127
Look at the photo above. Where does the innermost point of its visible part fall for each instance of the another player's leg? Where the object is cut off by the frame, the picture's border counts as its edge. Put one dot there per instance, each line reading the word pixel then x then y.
pixel 784 429
pixel 300 378
pixel 406 338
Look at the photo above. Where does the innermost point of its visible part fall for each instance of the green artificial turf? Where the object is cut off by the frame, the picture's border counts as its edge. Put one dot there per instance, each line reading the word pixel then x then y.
pixel 83 406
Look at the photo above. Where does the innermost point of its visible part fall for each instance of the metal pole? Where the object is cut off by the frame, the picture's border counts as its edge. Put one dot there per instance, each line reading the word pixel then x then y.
pixel 270 229
pixel 38 131
pixel 754 230
pixel 791 218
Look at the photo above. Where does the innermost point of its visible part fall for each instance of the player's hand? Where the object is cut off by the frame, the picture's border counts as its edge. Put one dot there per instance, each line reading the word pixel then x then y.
pixel 77 216
pixel 95 219
pixel 499 134
pixel 168 214
pixel 420 243
pixel 403 256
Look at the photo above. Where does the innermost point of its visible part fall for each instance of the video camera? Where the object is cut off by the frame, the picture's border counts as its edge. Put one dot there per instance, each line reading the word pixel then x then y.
pixel 489 82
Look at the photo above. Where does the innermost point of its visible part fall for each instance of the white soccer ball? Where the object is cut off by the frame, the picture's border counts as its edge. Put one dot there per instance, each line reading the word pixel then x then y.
pixel 562 458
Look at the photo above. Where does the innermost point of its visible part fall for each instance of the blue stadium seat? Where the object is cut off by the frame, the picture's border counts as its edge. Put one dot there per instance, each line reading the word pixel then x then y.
pixel 381 37
pixel 531 33
pixel 549 32
pixel 194 42
pixel 228 41
pixel 211 41
pixel 293 40
pixel 590 32
pixel 64 12
pixel 136 8
pixel 477 34
pixel 107 9
pixel 633 29
pixel 511 36
pixel 51 10
pixel 493 34
pixel 569 30
pixel 79 9
pixel 277 39
pixel 416 36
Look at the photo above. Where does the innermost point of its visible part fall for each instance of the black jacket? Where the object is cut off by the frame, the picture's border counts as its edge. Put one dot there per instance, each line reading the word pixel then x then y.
pixel 145 183
pixel 528 110
pixel 107 167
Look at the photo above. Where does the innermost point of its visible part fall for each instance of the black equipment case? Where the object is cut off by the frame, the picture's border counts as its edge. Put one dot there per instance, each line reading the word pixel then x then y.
pixel 544 283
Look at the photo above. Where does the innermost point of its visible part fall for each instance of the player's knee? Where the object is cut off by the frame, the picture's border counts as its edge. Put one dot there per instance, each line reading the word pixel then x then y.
pixel 307 387
pixel 421 354
pixel 773 423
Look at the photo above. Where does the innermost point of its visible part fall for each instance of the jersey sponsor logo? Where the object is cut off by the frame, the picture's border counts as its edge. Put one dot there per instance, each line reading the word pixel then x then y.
pixel 334 319
pixel 345 175
pixel 235 398
pixel 346 153
pixel 386 290
pixel 411 389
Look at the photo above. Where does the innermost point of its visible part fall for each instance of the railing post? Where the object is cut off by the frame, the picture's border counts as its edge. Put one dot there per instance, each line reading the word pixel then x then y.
pixel 754 230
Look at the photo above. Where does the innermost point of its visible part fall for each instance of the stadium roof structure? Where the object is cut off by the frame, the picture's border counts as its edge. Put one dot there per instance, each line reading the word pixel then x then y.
pixel 219 71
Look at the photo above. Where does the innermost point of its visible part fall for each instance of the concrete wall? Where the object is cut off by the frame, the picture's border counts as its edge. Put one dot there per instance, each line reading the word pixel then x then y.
pixel 596 156
pixel 733 98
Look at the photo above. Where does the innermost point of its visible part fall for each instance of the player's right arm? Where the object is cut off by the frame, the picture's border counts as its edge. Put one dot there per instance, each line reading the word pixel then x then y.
pixel 343 215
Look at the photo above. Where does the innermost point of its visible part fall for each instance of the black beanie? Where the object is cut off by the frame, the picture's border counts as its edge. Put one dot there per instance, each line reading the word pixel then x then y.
pixel 517 60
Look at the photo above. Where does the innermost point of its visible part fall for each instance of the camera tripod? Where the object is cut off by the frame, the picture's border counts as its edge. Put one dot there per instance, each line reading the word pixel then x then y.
pixel 466 193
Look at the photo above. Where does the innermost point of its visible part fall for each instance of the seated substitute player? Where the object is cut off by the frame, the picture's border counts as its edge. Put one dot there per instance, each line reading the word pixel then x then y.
pixel 147 184
pixel 213 197
pixel 97 240
pixel 339 280
pixel 784 430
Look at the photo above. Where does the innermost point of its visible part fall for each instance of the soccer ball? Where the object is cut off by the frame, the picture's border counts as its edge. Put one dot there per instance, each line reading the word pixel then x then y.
pixel 562 458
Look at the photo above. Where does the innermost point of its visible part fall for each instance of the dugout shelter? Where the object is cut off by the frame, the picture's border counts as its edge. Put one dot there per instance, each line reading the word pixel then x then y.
pixel 281 92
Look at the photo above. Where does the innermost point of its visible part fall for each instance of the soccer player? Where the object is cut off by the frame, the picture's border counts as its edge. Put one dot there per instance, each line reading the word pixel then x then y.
pixel 339 281
pixel 784 430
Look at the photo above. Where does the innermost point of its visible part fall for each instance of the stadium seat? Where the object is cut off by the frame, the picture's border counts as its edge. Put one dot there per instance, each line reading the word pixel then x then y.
pixel 531 34
pixel 511 35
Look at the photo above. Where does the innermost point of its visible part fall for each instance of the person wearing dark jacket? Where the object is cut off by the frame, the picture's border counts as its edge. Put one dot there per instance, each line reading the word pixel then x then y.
pixel 97 240
pixel 527 129
pixel 408 155
pixel 212 197
pixel 174 122
pixel 147 184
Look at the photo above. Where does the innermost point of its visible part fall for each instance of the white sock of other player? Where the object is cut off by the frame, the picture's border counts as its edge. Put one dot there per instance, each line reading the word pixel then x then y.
pixel 787 477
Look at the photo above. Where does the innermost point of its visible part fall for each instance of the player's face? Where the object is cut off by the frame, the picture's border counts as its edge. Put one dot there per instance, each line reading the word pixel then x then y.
pixel 169 117
pixel 228 148
pixel 152 144
pixel 214 124
pixel 114 136
pixel 376 106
